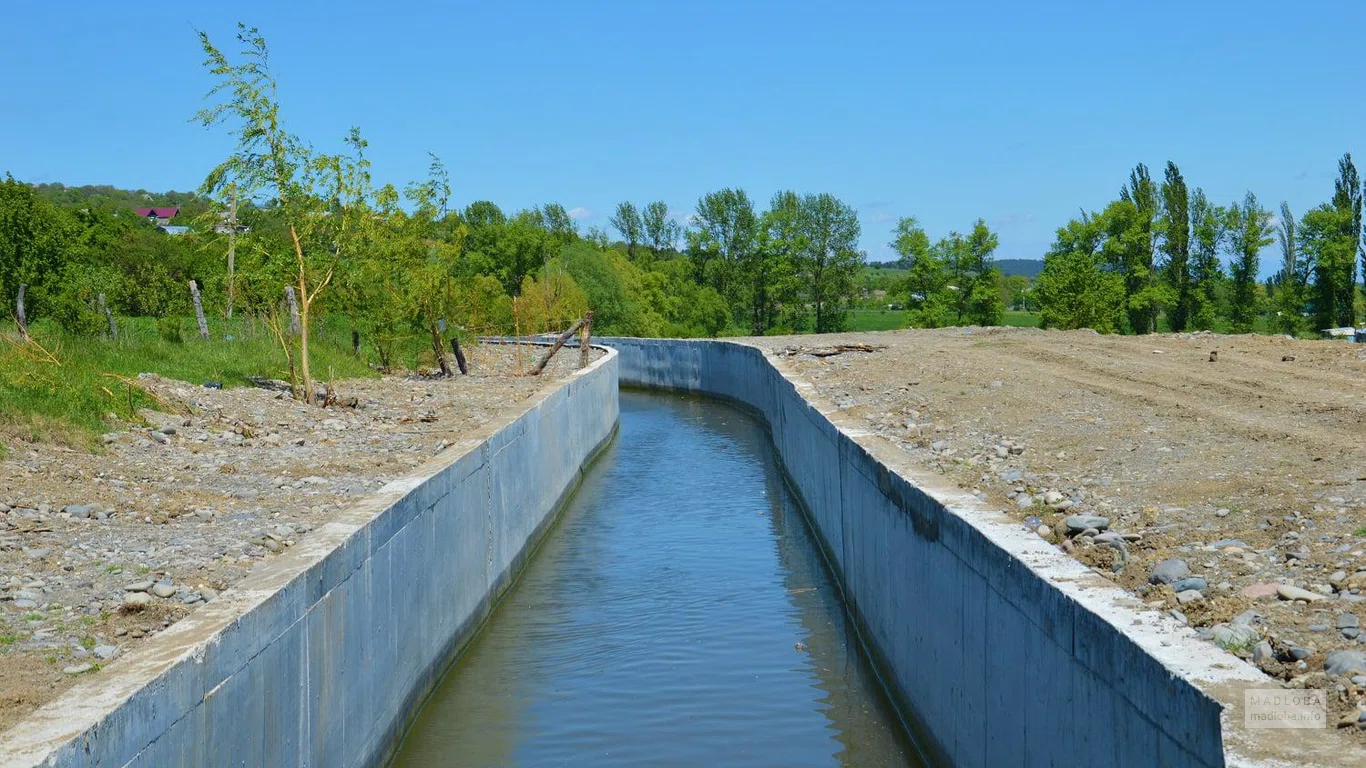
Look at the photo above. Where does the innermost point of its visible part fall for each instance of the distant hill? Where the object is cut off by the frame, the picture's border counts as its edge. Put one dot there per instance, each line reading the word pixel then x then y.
pixel 1029 268
pixel 107 197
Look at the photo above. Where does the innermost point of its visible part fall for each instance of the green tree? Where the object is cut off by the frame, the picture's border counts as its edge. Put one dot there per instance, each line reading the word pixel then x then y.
pixel 1176 237
pixel 661 232
pixel 1249 231
pixel 1015 292
pixel 724 236
pixel 830 260
pixel 1134 251
pixel 928 301
pixel 1347 200
pixel 322 198
pixel 627 221
pixel 1291 279
pixel 1078 288
pixel 35 241
pixel 1206 272
pixel 784 239
pixel 1325 248
pixel 972 268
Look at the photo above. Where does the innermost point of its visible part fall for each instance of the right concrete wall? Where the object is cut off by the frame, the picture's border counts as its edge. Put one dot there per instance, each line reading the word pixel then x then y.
pixel 998 649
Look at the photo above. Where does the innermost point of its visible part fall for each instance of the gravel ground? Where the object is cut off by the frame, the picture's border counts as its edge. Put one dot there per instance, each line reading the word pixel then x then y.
pixel 99 551
pixel 1220 478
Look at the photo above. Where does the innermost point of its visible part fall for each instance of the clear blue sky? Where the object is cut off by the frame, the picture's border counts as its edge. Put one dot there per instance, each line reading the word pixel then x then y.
pixel 1019 113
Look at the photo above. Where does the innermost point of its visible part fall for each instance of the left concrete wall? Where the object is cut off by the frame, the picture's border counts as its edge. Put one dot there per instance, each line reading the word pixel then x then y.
pixel 323 656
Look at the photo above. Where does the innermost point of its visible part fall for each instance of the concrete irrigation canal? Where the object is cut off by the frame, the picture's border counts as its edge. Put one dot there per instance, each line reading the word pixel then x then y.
pixel 680 613
pixel 614 578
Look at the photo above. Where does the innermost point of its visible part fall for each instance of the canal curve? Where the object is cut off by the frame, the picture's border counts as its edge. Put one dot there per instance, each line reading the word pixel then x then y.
pixel 679 614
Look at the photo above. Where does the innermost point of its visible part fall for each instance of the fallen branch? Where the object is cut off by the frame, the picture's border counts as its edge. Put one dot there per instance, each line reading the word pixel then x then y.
pixel 559 342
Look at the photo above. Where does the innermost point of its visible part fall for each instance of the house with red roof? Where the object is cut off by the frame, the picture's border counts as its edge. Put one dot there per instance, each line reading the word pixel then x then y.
pixel 159 216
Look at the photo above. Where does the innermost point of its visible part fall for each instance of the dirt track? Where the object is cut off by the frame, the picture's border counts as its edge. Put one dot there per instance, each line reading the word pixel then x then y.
pixel 1251 468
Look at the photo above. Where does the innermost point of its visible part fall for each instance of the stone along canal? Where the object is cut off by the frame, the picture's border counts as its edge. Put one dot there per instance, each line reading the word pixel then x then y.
pixel 680 613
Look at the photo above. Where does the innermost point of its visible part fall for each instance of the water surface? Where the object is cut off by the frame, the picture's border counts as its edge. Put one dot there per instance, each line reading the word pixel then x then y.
pixel 680 614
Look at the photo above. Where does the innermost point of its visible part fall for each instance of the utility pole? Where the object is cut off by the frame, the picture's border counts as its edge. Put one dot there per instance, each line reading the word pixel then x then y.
pixel 232 245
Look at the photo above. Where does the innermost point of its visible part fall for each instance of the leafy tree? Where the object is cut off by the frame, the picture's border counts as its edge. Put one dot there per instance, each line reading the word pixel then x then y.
pixel 558 224
pixel 1291 279
pixel 928 301
pixel 1176 237
pixel 725 234
pixel 1078 288
pixel 1133 238
pixel 35 240
pixel 1206 272
pixel 829 262
pixel 661 232
pixel 1325 248
pixel 784 239
pixel 322 198
pixel 627 221
pixel 1249 230
pixel 1347 200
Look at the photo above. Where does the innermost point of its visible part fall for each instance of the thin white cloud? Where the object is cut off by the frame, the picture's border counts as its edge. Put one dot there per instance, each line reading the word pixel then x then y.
pixel 580 213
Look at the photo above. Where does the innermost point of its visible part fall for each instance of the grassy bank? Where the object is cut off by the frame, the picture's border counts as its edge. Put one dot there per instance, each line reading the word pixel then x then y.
pixel 61 388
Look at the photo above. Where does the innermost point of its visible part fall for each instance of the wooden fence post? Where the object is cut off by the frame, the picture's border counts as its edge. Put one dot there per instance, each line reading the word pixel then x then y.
pixel 20 317
pixel 459 356
pixel 113 326
pixel 199 310
pixel 559 342
pixel 585 342
pixel 295 327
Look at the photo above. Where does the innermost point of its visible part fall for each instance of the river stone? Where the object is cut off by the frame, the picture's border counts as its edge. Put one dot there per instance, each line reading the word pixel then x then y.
pixel 79 511
pixel 1232 636
pixel 139 586
pixel 136 600
pixel 77 669
pixel 1189 596
pixel 1300 653
pixel 25 604
pixel 158 437
pixel 1288 592
pixel 1258 591
pixel 163 589
pixel 1192 583
pixel 1052 498
pixel 1345 663
pixel 1348 621
pixel 1226 543
pixel 1261 651
pixel 1078 523
pixel 1168 571
pixel 106 652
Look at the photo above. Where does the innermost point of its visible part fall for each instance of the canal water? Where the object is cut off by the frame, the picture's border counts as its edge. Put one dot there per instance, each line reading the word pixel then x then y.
pixel 679 614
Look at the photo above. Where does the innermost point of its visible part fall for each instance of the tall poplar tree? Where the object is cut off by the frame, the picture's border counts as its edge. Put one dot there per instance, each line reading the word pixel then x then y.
pixel 627 221
pixel 1137 255
pixel 1347 200
pixel 1176 237
pixel 1206 272
pixel 1249 230
pixel 1290 280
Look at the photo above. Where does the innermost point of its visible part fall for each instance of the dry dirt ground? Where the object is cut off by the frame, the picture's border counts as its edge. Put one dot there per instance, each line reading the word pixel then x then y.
pixel 1241 457
pixel 98 551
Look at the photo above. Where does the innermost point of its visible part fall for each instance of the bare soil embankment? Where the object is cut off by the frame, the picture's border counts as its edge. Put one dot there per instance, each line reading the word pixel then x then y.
pixel 1220 478
pixel 99 551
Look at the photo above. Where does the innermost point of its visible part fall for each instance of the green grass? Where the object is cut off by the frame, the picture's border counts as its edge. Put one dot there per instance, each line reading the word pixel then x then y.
pixel 876 319
pixel 1022 319
pixel 8 639
pixel 65 398
pixel 1360 532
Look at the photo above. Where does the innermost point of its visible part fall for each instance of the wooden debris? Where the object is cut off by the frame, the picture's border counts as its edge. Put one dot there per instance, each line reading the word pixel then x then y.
pixel 559 342
pixel 831 351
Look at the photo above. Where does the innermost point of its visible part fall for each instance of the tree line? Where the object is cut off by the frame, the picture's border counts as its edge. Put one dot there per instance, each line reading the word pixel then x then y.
pixel 1164 251
pixel 312 236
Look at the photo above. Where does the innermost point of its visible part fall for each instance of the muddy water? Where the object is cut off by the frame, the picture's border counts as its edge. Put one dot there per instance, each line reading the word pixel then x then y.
pixel 680 614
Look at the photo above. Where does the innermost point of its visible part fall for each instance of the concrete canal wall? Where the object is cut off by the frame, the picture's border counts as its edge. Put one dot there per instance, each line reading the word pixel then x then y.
pixel 998 649
pixel 322 657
